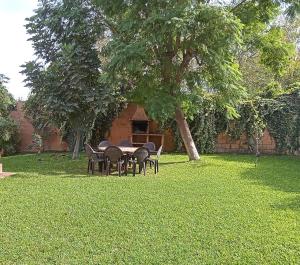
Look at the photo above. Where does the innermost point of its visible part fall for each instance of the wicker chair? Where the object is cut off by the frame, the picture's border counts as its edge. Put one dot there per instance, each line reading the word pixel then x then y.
pixel 114 155
pixel 151 147
pixel 140 157
pixel 105 143
pixel 125 143
pixel 153 161
pixel 94 157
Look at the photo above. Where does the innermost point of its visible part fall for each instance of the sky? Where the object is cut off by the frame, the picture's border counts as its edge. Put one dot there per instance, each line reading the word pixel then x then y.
pixel 14 47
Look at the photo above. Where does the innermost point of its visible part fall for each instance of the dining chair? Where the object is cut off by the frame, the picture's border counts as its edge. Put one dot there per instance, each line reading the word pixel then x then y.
pixel 114 155
pixel 154 161
pixel 139 157
pixel 94 157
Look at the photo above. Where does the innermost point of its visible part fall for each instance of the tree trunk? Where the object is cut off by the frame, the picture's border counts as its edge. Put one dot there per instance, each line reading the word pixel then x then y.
pixel 77 145
pixel 186 135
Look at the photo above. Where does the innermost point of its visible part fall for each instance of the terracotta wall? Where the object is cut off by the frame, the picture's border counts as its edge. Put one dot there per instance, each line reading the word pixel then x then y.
pixel 53 142
pixel 121 129
pixel 226 145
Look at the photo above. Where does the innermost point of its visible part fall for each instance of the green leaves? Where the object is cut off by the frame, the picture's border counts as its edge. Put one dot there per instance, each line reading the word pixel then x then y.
pixel 66 90
pixel 165 51
pixel 276 51
pixel 8 128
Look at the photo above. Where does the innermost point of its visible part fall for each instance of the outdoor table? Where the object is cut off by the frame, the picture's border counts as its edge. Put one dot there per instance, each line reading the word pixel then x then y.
pixel 125 150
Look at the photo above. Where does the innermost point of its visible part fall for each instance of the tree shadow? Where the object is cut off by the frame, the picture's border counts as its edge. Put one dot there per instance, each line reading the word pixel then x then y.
pixel 288 204
pixel 277 172
pixel 58 165
pixel 34 166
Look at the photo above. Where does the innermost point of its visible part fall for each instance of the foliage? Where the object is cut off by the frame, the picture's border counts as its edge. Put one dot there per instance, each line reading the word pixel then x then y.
pixel 9 137
pixel 37 143
pixel 166 55
pixel 103 122
pixel 7 101
pixel 282 117
pixel 268 54
pixel 277 110
pixel 189 213
pixel 65 87
pixel 277 52
pixel 203 126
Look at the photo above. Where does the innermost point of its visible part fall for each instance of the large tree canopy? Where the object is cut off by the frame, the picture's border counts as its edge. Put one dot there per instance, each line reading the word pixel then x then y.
pixel 169 52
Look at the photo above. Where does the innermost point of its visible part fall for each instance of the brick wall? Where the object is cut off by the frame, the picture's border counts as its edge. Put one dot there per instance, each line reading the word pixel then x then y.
pixel 226 145
pixel 53 142
pixel 121 129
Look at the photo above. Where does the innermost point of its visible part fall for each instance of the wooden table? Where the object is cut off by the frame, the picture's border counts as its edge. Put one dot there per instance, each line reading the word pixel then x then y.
pixel 125 150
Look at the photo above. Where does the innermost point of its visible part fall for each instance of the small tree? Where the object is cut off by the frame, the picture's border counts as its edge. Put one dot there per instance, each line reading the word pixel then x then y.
pixel 64 79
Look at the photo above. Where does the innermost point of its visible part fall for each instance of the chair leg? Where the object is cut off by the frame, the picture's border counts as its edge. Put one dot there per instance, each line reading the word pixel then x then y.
pixel 104 165
pixel 107 168
pixel 101 166
pixel 88 169
pixel 144 168
pixel 93 167
pixel 156 162
pixel 133 168
pixel 119 168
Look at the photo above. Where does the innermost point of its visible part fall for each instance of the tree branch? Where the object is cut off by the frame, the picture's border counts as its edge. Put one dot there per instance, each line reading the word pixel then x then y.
pixel 185 62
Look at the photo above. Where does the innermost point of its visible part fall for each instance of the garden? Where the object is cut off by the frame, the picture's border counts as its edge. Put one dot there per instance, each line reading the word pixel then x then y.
pixel 197 106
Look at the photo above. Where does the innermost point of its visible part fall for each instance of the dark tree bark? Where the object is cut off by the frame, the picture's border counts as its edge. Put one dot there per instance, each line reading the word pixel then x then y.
pixel 77 145
pixel 186 135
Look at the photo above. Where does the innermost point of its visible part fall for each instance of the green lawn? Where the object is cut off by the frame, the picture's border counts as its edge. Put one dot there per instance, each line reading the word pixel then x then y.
pixel 220 210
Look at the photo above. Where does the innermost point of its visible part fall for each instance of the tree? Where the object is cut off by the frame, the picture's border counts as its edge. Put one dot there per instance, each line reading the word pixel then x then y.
pixel 64 79
pixel 8 128
pixel 169 52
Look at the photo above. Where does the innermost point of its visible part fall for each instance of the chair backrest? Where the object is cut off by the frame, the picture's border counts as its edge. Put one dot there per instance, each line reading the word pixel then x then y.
pixel 104 144
pixel 159 151
pixel 125 143
pixel 150 146
pixel 113 153
pixel 141 154
pixel 90 151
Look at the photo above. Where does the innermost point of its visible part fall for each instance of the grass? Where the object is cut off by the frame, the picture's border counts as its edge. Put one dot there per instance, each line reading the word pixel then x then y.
pixel 220 210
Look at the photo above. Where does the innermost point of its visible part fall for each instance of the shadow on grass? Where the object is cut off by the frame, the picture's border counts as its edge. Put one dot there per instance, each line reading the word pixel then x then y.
pixel 289 204
pixel 278 172
pixel 58 165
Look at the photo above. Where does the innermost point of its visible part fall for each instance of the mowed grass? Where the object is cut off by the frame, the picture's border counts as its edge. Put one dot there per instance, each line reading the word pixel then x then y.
pixel 219 210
